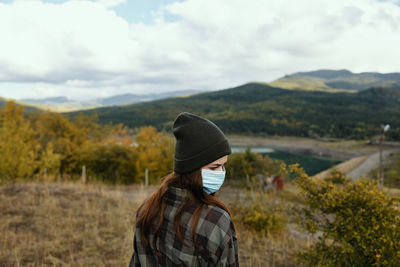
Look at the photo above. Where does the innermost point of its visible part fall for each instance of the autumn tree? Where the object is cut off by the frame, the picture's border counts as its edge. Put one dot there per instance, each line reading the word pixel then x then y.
pixel 89 126
pixel 155 153
pixel 119 134
pixel 66 138
pixel 49 167
pixel 18 146
pixel 110 163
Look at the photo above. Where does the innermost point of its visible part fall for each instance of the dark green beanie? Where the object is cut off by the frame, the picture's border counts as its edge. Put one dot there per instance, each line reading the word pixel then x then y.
pixel 198 142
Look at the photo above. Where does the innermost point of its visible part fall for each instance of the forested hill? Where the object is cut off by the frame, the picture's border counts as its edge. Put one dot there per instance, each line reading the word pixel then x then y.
pixel 261 109
pixel 3 101
pixel 333 80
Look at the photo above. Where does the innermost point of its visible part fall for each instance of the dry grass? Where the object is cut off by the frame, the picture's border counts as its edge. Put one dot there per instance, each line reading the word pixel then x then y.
pixel 261 251
pixel 68 225
pixel 58 224
pixel 276 249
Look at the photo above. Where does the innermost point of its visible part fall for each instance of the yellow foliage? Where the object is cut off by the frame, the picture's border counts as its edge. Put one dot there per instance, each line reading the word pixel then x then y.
pixel 18 147
pixel 51 162
pixel 47 145
pixel 155 152
pixel 360 224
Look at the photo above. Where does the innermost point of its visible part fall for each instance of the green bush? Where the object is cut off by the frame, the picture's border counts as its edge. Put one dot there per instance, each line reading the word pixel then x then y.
pixel 359 225
pixel 249 164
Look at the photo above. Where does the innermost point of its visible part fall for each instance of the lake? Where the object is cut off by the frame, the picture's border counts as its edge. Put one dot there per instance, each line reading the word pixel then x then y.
pixel 311 164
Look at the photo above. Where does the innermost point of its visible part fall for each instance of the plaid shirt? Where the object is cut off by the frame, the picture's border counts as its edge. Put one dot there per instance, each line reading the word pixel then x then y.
pixel 215 233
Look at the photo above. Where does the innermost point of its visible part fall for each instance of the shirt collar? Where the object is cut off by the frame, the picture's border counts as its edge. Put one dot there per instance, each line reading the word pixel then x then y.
pixel 177 193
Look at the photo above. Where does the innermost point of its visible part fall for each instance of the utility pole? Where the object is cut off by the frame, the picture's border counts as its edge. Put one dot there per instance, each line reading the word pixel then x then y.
pixel 384 128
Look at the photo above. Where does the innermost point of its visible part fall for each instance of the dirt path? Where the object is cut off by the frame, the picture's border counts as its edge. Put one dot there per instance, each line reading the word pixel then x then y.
pixel 359 167
pixel 345 167
pixel 370 163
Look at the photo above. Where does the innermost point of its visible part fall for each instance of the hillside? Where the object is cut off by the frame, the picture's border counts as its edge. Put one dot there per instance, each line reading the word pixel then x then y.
pixel 64 104
pixel 28 108
pixel 337 80
pixel 264 110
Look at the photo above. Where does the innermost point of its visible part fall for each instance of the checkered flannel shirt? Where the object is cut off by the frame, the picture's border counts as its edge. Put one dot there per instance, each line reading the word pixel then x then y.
pixel 215 233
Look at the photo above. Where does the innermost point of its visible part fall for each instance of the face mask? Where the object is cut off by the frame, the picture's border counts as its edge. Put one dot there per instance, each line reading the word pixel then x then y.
pixel 212 180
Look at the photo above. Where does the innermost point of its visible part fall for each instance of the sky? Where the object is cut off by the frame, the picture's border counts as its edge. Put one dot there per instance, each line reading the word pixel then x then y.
pixel 85 49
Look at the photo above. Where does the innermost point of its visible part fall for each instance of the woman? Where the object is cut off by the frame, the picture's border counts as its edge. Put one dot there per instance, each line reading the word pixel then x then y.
pixel 183 223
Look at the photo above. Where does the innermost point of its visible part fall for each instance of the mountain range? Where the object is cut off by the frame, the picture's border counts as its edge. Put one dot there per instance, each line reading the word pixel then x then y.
pixel 319 80
pixel 63 104
pixel 337 80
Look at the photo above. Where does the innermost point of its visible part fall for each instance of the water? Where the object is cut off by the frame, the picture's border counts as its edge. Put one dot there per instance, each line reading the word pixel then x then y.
pixel 311 164
pixel 260 150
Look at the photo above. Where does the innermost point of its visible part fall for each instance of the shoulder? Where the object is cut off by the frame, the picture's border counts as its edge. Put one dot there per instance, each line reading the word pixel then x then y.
pixel 217 235
pixel 216 223
pixel 218 215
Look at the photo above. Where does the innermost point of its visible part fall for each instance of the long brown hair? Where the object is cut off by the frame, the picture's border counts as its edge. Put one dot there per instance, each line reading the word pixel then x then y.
pixel 154 205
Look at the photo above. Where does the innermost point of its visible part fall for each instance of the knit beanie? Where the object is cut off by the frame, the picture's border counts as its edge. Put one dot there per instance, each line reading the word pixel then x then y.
pixel 198 142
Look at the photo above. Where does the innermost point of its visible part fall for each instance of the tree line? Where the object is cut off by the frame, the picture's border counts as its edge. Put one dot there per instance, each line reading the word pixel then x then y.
pixel 47 145
pixel 50 146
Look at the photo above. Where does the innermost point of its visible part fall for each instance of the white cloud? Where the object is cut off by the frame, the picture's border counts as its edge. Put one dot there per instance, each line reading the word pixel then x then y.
pixel 80 47
pixel 111 3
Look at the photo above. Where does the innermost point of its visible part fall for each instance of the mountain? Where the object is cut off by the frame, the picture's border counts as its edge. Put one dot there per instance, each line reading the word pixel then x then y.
pixel 64 104
pixel 135 98
pixel 337 80
pixel 57 104
pixel 4 100
pixel 48 100
pixel 261 109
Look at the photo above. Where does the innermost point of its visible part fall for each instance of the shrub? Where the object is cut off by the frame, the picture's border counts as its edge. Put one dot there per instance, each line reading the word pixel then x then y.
pixel 264 221
pixel 260 214
pixel 249 164
pixel 337 177
pixel 358 223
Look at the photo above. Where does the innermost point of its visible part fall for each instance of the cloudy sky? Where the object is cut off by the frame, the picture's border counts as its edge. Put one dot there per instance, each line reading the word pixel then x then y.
pixel 86 49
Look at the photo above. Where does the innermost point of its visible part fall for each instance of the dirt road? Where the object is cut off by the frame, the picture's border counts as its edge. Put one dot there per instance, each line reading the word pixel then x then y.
pixel 370 163
pixel 360 167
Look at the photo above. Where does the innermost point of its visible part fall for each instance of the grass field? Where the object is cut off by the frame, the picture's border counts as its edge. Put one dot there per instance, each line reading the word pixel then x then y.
pixel 66 224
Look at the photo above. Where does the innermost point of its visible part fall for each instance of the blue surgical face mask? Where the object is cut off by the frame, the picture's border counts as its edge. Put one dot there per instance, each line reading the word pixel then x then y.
pixel 212 180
